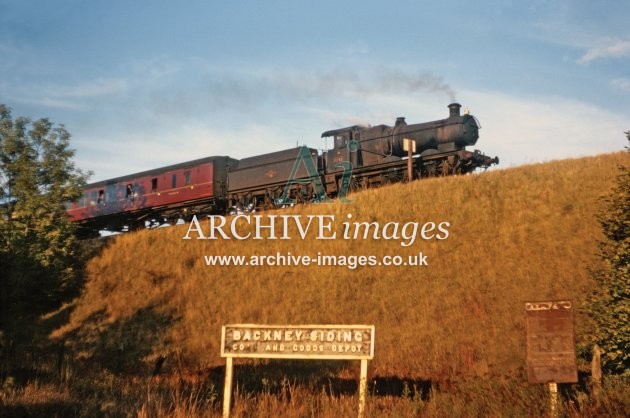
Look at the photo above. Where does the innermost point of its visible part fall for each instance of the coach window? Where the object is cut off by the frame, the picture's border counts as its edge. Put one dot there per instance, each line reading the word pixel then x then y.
pixel 174 181
pixel 110 193
pixel 187 177
pixel 154 184
pixel 129 193
pixel 101 196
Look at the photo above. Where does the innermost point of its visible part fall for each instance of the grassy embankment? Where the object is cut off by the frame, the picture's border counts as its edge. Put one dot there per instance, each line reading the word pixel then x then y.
pixel 450 336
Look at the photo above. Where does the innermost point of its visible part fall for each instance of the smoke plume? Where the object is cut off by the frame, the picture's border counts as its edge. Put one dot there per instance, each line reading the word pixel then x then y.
pixel 397 82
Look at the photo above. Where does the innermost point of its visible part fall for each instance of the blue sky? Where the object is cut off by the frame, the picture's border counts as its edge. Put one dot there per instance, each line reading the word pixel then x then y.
pixel 149 83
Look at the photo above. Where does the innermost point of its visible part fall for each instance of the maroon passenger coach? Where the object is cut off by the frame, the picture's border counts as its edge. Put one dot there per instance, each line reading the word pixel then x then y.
pixel 197 185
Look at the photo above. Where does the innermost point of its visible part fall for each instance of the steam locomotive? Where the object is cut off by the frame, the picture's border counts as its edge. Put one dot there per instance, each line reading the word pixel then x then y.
pixel 221 184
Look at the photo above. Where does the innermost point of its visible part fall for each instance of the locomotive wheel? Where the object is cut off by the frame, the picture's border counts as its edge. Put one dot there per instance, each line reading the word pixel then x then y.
pixel 268 200
pixel 302 194
pixel 266 204
pixel 394 177
pixel 355 183
pixel 247 203
pixel 445 168
pixel 431 170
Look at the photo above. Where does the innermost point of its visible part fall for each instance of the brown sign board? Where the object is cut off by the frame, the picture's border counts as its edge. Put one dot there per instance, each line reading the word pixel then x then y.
pixel 550 342
pixel 338 342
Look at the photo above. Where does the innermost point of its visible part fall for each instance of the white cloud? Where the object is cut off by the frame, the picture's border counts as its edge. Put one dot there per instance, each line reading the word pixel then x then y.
pixel 621 84
pixel 90 89
pixel 121 154
pixel 614 48
pixel 354 49
pixel 519 130
pixel 526 130
pixel 155 68
pixel 64 96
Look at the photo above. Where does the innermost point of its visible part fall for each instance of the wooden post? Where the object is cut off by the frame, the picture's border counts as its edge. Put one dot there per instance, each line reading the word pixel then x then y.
pixel 409 145
pixel 362 387
pixel 410 164
pixel 596 373
pixel 553 400
pixel 227 389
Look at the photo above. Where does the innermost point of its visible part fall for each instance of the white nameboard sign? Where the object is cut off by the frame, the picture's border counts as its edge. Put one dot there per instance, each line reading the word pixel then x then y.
pixel 334 342
pixel 309 342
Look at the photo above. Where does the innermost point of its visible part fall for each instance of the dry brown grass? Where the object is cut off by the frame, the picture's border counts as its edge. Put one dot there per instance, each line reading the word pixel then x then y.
pixel 527 233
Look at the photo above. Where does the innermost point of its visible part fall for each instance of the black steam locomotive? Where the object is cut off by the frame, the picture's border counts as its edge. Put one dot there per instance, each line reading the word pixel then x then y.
pixel 376 155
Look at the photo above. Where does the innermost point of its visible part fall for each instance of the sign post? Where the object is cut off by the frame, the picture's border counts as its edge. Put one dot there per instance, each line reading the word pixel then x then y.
pixel 227 391
pixel 550 346
pixel 409 145
pixel 553 399
pixel 308 342
pixel 362 387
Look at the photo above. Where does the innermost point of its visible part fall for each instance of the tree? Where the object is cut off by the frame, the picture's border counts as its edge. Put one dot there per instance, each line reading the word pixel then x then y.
pixel 37 243
pixel 610 304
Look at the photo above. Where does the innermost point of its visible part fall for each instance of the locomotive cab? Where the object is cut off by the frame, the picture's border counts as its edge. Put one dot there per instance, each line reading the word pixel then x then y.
pixel 345 148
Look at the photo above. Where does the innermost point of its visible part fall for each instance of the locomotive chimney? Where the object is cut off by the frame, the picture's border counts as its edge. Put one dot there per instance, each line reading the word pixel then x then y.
pixel 400 121
pixel 454 108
